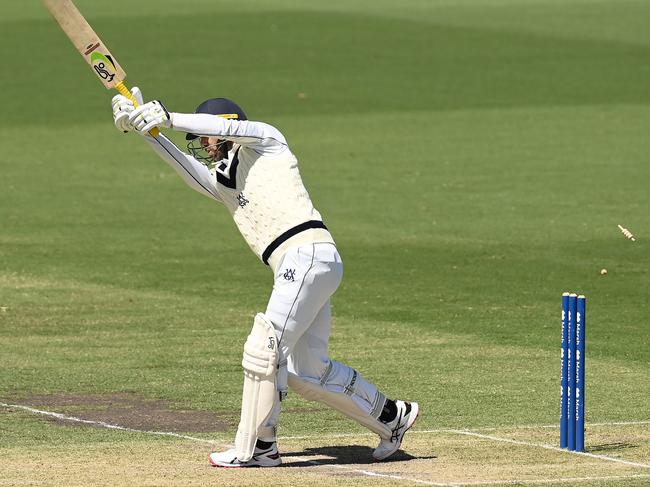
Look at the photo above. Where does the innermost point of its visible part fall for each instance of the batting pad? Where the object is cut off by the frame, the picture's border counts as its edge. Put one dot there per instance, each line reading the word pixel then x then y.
pixel 344 389
pixel 260 391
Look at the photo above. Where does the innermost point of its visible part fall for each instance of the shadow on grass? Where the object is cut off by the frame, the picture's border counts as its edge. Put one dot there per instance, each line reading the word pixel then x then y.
pixel 610 447
pixel 345 455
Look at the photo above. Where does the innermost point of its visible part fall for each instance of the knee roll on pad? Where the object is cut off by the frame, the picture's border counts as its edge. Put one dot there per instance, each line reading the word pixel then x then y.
pixel 260 363
pixel 344 389
pixel 261 349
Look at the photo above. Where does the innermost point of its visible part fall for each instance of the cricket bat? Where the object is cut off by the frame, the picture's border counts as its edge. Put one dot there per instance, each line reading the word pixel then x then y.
pixel 91 47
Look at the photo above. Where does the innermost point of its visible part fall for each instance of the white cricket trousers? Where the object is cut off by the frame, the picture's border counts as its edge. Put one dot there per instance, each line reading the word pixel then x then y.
pixel 299 309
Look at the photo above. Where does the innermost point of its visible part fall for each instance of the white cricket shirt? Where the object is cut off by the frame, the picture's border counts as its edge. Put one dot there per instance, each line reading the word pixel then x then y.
pixel 259 183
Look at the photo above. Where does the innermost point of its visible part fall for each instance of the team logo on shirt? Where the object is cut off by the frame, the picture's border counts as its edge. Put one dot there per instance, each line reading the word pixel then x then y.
pixel 241 200
pixel 290 275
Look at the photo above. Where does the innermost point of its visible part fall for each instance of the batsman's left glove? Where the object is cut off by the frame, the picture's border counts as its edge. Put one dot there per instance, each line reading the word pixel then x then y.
pixel 150 115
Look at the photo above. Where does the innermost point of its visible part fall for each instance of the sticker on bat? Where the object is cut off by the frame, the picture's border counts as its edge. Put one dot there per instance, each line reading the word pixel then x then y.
pixel 103 66
pixel 91 47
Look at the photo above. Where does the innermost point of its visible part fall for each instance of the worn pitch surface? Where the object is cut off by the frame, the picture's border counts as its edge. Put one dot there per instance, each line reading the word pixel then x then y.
pixel 473 159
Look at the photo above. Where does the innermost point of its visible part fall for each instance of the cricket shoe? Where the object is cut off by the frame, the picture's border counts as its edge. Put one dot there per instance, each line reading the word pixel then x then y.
pixel 262 457
pixel 407 413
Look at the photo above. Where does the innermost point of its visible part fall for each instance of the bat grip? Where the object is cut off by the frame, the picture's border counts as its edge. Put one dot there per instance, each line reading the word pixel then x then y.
pixel 124 91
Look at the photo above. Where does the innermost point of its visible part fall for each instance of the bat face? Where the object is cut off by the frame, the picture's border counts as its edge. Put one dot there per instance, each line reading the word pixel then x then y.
pixel 84 38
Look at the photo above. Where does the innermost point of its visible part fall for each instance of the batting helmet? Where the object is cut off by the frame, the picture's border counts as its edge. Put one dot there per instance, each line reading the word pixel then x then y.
pixel 219 106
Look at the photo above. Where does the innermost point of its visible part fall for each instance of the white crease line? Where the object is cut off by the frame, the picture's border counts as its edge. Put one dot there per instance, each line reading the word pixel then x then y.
pixel 103 424
pixel 408 479
pixel 486 428
pixel 185 437
pixel 553 481
pixel 548 447
pixel 368 473
pixel 618 423
pixel 545 426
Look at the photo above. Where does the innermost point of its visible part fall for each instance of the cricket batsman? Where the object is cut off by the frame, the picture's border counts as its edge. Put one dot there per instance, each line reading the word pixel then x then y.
pixel 248 167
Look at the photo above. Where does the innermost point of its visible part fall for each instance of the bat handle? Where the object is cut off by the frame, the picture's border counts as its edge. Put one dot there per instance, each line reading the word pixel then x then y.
pixel 154 132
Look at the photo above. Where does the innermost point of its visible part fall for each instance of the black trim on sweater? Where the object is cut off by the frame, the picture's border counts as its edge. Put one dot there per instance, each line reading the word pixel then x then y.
pixel 287 235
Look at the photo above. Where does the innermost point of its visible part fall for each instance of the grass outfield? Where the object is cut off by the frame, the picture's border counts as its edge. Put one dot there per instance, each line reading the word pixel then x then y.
pixel 472 159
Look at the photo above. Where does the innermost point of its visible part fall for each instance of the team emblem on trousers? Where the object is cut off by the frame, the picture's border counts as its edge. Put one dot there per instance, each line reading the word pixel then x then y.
pixel 241 199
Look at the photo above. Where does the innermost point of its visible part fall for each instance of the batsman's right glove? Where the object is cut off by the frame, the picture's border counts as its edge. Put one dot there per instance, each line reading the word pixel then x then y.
pixel 150 115
pixel 123 107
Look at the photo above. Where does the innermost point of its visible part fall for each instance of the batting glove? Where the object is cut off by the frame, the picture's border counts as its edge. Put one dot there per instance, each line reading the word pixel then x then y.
pixel 150 115
pixel 123 107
